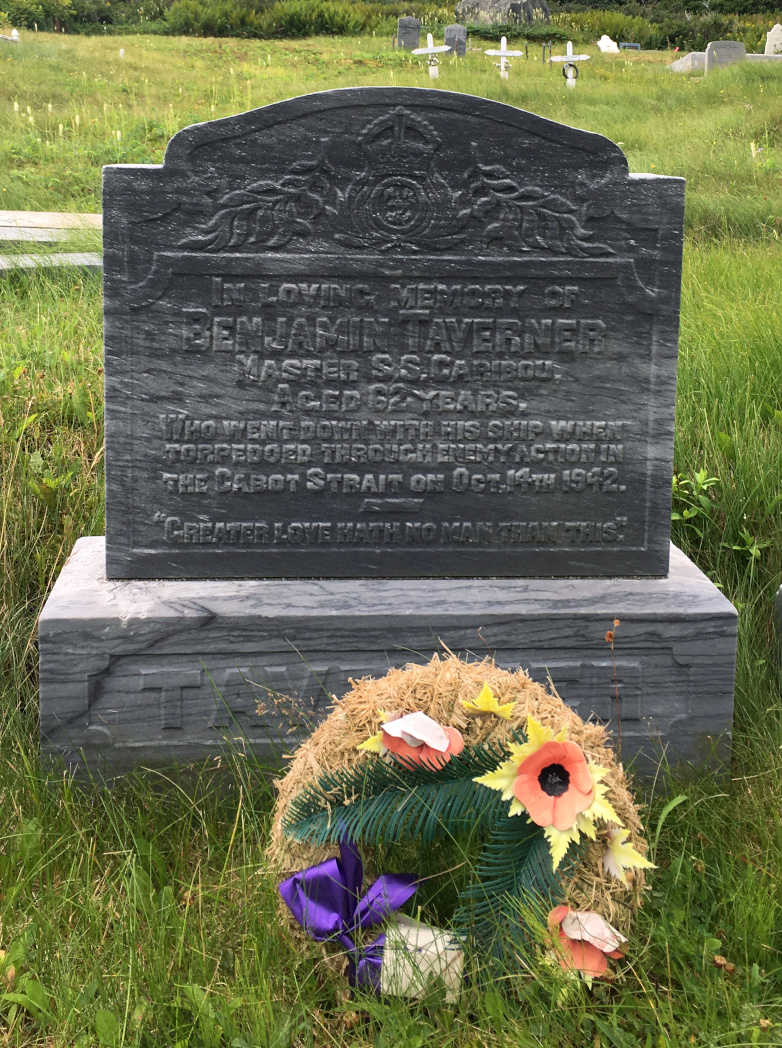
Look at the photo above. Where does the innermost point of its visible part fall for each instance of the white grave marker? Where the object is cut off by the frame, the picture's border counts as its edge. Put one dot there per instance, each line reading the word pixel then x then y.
pixel 504 54
pixel 774 41
pixel 433 52
pixel 569 57
pixel 607 45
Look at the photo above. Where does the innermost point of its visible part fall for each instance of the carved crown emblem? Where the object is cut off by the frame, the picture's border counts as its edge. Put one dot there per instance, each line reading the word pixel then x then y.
pixel 400 143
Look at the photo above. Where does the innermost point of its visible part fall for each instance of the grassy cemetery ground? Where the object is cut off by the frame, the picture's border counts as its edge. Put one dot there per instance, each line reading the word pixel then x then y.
pixel 145 916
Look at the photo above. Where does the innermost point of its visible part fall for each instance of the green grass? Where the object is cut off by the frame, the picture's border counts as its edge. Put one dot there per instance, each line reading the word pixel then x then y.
pixel 122 907
pixel 699 128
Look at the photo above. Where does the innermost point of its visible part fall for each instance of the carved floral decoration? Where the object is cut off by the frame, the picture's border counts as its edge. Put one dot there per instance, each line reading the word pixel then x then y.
pixel 270 212
pixel 400 202
pixel 528 218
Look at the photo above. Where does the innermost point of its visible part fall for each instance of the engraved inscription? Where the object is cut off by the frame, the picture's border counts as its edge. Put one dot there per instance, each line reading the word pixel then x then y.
pixel 428 400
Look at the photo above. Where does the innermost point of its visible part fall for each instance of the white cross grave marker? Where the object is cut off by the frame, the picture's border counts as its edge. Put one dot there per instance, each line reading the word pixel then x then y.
pixel 570 69
pixel 432 51
pixel 569 57
pixel 504 54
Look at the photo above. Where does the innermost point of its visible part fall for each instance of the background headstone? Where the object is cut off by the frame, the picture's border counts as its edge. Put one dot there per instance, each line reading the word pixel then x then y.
pixel 774 41
pixel 432 51
pixel 694 62
pixel 408 32
pixel 629 47
pixel 504 53
pixel 456 38
pixel 721 53
pixel 607 45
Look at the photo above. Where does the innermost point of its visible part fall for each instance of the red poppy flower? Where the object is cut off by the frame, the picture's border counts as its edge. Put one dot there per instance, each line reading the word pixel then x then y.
pixel 578 954
pixel 554 784
pixel 424 754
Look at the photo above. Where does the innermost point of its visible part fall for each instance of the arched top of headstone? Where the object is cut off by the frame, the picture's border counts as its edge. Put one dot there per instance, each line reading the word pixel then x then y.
pixel 351 100
pixel 315 173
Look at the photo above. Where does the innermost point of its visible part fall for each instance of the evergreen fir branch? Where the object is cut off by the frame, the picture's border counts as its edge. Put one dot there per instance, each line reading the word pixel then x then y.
pixel 425 813
pixel 510 861
pixel 514 887
pixel 376 802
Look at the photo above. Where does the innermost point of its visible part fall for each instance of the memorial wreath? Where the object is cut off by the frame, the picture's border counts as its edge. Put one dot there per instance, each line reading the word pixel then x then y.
pixel 532 798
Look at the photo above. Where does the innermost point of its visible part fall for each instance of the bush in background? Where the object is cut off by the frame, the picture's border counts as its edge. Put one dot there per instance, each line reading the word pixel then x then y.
pixel 288 18
pixel 537 32
pixel 656 25
pixel 685 31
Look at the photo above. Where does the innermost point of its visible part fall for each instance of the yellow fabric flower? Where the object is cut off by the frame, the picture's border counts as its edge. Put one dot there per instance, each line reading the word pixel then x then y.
pixel 559 841
pixel 374 744
pixel 538 735
pixel 620 856
pixel 487 703
pixel 600 808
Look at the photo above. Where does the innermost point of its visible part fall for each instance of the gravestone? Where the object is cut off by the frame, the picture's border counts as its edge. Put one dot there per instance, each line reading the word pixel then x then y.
pixel 384 368
pixel 721 53
pixel 774 41
pixel 408 32
pixel 456 39
pixel 694 62
pixel 607 45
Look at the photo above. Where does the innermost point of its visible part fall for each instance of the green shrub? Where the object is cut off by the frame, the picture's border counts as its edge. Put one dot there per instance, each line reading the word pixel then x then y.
pixel 212 18
pixel 536 32
pixel 688 33
pixel 619 26
pixel 297 18
pixel 657 24
pixel 80 16
pixel 290 19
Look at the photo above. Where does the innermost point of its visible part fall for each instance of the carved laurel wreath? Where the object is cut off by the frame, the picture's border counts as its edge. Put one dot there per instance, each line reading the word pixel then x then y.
pixel 399 201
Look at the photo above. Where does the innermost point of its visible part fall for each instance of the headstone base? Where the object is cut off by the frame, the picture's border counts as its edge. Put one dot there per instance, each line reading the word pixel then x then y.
pixel 694 62
pixel 140 672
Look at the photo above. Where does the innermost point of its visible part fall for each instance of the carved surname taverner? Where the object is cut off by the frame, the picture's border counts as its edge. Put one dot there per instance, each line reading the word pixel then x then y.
pixel 380 332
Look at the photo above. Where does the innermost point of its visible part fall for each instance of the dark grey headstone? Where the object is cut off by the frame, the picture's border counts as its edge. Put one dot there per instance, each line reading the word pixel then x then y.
pixel 144 672
pixel 389 332
pixel 456 38
pixel 408 32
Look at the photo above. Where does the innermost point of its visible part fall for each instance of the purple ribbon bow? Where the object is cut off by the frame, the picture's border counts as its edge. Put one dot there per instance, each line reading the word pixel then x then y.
pixel 325 901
